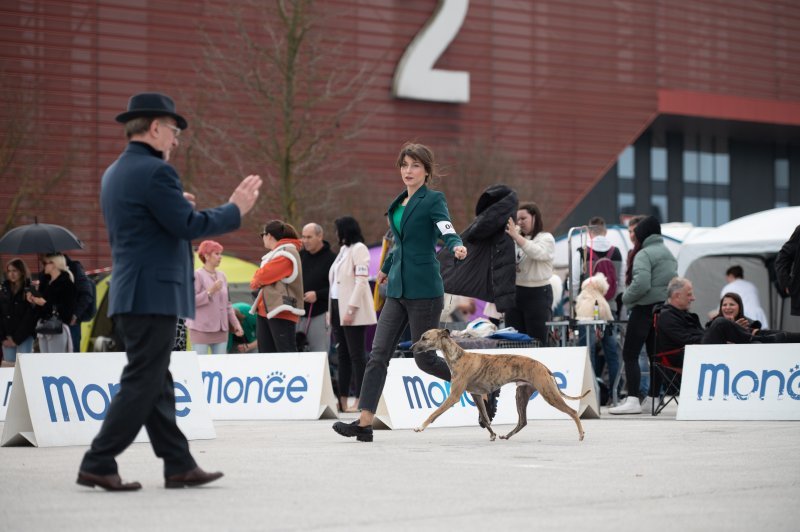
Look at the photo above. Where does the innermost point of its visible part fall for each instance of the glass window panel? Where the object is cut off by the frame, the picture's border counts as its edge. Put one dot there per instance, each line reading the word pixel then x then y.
pixel 779 204
pixel 690 162
pixel 658 163
pixel 626 203
pixel 661 202
pixel 625 163
pixel 722 174
pixel 625 185
pixel 690 211
pixel 706 167
pixel 723 211
pixel 781 173
pixel 706 212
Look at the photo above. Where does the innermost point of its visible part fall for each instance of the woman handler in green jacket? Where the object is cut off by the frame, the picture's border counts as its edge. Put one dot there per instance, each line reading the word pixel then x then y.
pixel 418 217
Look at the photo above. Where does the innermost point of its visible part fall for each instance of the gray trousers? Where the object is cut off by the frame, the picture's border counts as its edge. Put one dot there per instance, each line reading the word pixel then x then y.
pixel 319 336
pixel 421 315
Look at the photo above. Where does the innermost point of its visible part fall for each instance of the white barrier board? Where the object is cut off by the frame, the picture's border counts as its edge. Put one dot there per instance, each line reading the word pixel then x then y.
pixel 411 395
pixel 268 386
pixel 6 377
pixel 62 398
pixel 740 382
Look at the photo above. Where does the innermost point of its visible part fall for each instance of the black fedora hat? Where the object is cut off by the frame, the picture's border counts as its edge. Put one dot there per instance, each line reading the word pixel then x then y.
pixel 151 104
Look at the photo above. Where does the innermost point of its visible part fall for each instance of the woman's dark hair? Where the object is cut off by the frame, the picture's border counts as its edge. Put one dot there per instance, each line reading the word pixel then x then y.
pixel 534 211
pixel 634 222
pixel 422 154
pixel 348 230
pixel 738 300
pixel 19 265
pixel 279 230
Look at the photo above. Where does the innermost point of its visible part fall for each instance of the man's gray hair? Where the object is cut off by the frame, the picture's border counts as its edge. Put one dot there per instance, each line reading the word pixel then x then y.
pixel 676 284
pixel 317 228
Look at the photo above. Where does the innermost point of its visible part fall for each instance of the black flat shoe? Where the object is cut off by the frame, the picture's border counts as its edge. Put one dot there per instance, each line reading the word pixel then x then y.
pixel 350 430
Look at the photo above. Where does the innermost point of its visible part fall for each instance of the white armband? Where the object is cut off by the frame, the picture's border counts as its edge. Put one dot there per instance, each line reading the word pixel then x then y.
pixel 446 227
pixel 362 270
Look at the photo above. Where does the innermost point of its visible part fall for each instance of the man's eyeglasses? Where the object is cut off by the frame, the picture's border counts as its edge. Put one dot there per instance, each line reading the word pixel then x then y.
pixel 176 130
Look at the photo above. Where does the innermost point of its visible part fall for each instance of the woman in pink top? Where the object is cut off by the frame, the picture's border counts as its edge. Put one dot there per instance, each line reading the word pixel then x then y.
pixel 208 331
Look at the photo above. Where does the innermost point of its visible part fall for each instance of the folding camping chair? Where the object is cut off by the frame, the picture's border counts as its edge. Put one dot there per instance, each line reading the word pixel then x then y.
pixel 665 369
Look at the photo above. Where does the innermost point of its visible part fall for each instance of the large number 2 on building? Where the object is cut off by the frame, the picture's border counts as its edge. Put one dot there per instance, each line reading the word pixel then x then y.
pixel 415 77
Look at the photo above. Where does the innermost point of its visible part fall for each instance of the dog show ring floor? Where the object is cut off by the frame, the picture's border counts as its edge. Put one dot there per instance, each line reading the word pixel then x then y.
pixel 630 472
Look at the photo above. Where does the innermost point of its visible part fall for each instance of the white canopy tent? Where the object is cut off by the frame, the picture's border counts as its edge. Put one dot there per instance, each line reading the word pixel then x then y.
pixel 752 242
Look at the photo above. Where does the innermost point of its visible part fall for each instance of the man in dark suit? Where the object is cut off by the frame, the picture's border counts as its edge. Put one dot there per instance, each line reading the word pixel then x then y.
pixel 151 222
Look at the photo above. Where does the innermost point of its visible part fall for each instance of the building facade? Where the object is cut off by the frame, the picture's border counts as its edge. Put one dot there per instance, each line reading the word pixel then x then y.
pixel 685 108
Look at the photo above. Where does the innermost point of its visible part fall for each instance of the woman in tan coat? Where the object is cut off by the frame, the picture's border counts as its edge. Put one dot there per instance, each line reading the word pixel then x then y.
pixel 351 308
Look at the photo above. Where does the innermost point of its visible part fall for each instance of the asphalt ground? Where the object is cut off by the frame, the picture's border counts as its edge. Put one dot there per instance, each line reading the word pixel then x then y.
pixel 631 472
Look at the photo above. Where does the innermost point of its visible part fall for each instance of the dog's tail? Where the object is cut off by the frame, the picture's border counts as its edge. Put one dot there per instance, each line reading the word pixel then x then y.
pixel 565 396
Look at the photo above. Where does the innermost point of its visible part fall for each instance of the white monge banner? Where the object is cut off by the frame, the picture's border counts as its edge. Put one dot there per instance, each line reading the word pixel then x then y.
pixel 741 382
pixel 268 386
pixel 411 395
pixel 6 376
pixel 62 398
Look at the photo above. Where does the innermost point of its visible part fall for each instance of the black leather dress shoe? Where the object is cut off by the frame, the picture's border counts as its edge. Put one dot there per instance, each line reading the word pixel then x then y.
pixel 350 430
pixel 107 482
pixel 193 477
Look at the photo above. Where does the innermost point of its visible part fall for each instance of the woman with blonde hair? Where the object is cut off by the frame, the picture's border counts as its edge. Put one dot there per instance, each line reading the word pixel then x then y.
pixel 56 297
pixel 214 314
pixel 17 321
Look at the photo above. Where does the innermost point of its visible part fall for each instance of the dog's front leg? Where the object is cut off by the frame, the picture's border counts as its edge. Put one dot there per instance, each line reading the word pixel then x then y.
pixel 484 414
pixel 455 394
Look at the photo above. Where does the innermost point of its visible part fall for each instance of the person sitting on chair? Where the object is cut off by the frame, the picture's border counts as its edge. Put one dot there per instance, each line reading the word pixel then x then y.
pixel 677 327
pixel 731 307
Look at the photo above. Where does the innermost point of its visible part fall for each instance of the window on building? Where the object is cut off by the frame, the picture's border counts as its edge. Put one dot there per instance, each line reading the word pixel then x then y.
pixel 658 175
pixel 626 198
pixel 706 180
pixel 781 182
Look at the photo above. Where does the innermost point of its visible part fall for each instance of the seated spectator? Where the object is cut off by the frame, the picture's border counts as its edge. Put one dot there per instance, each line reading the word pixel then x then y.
pixel 746 290
pixel 248 342
pixel 731 308
pixel 677 327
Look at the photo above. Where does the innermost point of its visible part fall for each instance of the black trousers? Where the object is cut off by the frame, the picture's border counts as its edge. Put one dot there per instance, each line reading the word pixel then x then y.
pixel 639 332
pixel 418 314
pixel 532 311
pixel 275 335
pixel 146 397
pixel 351 351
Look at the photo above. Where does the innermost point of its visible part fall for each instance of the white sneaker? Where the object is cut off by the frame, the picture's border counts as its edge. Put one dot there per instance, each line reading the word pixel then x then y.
pixel 630 406
pixel 647 405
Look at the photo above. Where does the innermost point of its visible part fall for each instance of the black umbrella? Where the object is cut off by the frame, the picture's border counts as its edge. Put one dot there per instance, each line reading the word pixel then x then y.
pixel 39 238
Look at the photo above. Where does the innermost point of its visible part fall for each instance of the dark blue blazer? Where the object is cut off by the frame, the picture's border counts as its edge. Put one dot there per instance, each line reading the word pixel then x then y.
pixel 150 227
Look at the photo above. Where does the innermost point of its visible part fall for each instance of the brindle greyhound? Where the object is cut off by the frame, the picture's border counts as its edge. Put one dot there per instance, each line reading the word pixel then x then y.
pixel 481 374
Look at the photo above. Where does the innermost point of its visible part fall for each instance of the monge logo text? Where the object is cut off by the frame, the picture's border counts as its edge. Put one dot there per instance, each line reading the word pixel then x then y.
pixel 437 391
pixel 93 399
pixel 769 382
pixel 272 389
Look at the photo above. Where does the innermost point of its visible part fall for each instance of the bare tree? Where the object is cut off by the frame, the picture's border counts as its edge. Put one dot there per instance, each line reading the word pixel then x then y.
pixel 290 97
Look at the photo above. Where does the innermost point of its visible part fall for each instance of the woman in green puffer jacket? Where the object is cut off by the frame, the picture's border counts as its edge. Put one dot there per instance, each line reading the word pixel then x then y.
pixel 653 267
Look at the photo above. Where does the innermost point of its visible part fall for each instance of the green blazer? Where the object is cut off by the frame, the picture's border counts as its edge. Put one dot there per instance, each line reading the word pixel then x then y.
pixel 411 265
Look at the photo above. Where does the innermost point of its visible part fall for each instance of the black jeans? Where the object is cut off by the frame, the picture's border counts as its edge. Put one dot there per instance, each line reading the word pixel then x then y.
pixel 532 311
pixel 638 333
pixel 421 315
pixel 146 397
pixel 275 335
pixel 350 348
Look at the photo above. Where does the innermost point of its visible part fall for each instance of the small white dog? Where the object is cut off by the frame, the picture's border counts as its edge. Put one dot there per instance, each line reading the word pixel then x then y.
pixel 593 289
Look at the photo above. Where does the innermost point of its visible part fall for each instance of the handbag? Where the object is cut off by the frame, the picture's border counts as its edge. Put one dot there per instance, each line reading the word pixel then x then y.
pixel 52 325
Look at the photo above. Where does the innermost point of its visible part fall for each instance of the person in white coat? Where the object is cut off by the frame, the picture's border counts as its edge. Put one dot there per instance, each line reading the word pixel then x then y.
pixel 351 308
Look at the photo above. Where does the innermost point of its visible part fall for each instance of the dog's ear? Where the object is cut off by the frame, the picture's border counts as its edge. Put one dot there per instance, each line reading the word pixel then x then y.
pixel 446 332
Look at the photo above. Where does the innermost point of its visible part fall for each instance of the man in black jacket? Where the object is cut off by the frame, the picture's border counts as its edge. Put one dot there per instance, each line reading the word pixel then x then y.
pixel 677 327
pixel 316 257
pixel 787 266
pixel 85 301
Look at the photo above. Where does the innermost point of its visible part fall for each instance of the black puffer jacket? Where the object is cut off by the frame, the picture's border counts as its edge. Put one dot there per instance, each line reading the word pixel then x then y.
pixel 489 271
